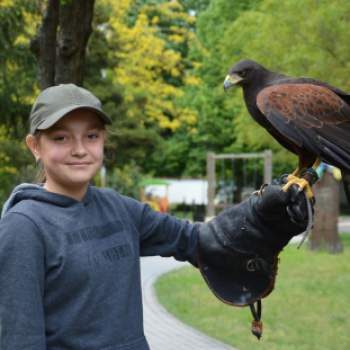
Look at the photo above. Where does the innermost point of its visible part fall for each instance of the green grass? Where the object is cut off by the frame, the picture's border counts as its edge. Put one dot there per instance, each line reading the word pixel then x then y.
pixel 309 308
pixel 184 215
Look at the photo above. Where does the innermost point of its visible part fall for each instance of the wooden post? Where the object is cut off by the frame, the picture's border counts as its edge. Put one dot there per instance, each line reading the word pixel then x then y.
pixel 268 166
pixel 211 183
pixel 326 192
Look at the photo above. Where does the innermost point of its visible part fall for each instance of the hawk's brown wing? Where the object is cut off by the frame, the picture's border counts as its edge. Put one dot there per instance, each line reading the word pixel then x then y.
pixel 312 117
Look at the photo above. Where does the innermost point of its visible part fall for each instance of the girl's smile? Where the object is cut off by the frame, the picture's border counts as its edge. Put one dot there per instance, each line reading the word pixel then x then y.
pixel 79 165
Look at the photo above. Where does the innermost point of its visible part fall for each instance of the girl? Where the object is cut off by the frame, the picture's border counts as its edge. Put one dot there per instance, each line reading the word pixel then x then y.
pixel 69 252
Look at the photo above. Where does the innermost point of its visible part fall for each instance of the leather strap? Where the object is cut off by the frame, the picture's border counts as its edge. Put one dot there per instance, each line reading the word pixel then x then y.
pixel 256 324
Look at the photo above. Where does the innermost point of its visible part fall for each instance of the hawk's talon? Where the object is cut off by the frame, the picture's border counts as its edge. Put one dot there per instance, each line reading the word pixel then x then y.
pixel 301 182
pixel 262 189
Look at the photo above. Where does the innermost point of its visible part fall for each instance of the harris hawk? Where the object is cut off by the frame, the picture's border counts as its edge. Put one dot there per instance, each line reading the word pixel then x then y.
pixel 308 117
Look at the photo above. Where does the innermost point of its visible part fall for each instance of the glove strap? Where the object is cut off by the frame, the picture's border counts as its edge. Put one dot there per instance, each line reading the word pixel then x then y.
pixel 256 324
pixel 309 225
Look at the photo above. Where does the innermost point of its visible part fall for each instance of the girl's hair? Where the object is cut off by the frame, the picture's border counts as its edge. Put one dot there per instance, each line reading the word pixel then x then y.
pixel 40 176
pixel 109 146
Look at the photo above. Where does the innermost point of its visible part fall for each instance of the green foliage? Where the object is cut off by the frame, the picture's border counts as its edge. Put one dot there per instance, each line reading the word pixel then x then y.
pixel 184 152
pixel 236 131
pixel 307 310
pixel 211 28
pixel 14 164
pixel 126 180
pixel 139 83
pixel 195 5
pixel 295 38
pixel 134 140
pixel 17 91
pixel 17 66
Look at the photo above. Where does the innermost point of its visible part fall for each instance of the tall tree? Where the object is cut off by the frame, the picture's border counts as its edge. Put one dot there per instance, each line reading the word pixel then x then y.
pixel 214 128
pixel 60 44
pixel 17 90
pixel 15 87
pixel 140 51
pixel 60 58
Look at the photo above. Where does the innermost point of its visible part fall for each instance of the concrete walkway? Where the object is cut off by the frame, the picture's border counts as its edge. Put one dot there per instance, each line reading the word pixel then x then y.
pixel 344 224
pixel 162 330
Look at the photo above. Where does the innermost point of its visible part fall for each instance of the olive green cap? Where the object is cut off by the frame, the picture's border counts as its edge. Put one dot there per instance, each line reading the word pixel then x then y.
pixel 57 101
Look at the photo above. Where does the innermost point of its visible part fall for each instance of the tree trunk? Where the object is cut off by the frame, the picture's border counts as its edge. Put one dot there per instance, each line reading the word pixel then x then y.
pixel 62 61
pixel 44 44
pixel 325 230
pixel 75 30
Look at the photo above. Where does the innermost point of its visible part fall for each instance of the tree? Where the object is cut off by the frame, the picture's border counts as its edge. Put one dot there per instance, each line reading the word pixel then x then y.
pixel 16 88
pixel 61 56
pixel 211 27
pixel 214 128
pixel 139 54
pixel 149 70
pixel 197 6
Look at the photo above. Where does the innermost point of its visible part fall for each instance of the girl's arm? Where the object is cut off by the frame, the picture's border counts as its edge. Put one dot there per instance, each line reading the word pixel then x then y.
pixel 22 279
pixel 165 235
pixel 162 234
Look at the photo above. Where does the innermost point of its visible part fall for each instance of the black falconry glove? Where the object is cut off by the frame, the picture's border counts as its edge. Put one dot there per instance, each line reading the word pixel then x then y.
pixel 238 250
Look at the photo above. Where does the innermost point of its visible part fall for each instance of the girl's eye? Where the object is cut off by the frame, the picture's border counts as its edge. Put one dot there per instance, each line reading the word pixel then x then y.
pixel 92 136
pixel 60 138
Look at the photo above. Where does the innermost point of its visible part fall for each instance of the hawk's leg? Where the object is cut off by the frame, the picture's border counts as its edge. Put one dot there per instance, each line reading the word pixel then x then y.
pixel 303 183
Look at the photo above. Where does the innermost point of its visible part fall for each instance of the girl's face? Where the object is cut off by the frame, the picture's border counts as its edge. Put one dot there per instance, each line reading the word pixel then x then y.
pixel 71 151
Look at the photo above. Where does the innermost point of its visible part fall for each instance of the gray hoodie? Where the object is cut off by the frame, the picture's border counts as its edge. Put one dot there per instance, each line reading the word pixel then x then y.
pixel 70 270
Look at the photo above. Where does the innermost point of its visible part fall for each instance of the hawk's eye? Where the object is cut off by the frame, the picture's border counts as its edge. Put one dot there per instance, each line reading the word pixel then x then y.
pixel 240 73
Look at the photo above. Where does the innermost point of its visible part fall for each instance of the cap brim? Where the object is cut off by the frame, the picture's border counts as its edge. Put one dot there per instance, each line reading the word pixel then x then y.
pixel 54 118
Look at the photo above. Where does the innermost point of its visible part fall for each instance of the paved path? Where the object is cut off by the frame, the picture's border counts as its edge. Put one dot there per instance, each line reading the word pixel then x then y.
pixel 162 330
pixel 344 224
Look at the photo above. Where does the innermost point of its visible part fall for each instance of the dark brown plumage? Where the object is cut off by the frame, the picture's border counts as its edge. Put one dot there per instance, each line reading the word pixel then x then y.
pixel 308 117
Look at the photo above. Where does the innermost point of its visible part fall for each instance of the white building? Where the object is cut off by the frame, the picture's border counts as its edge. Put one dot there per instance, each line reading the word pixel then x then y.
pixel 186 191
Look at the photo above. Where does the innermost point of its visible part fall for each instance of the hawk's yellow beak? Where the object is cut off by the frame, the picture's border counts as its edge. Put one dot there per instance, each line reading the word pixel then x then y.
pixel 231 80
